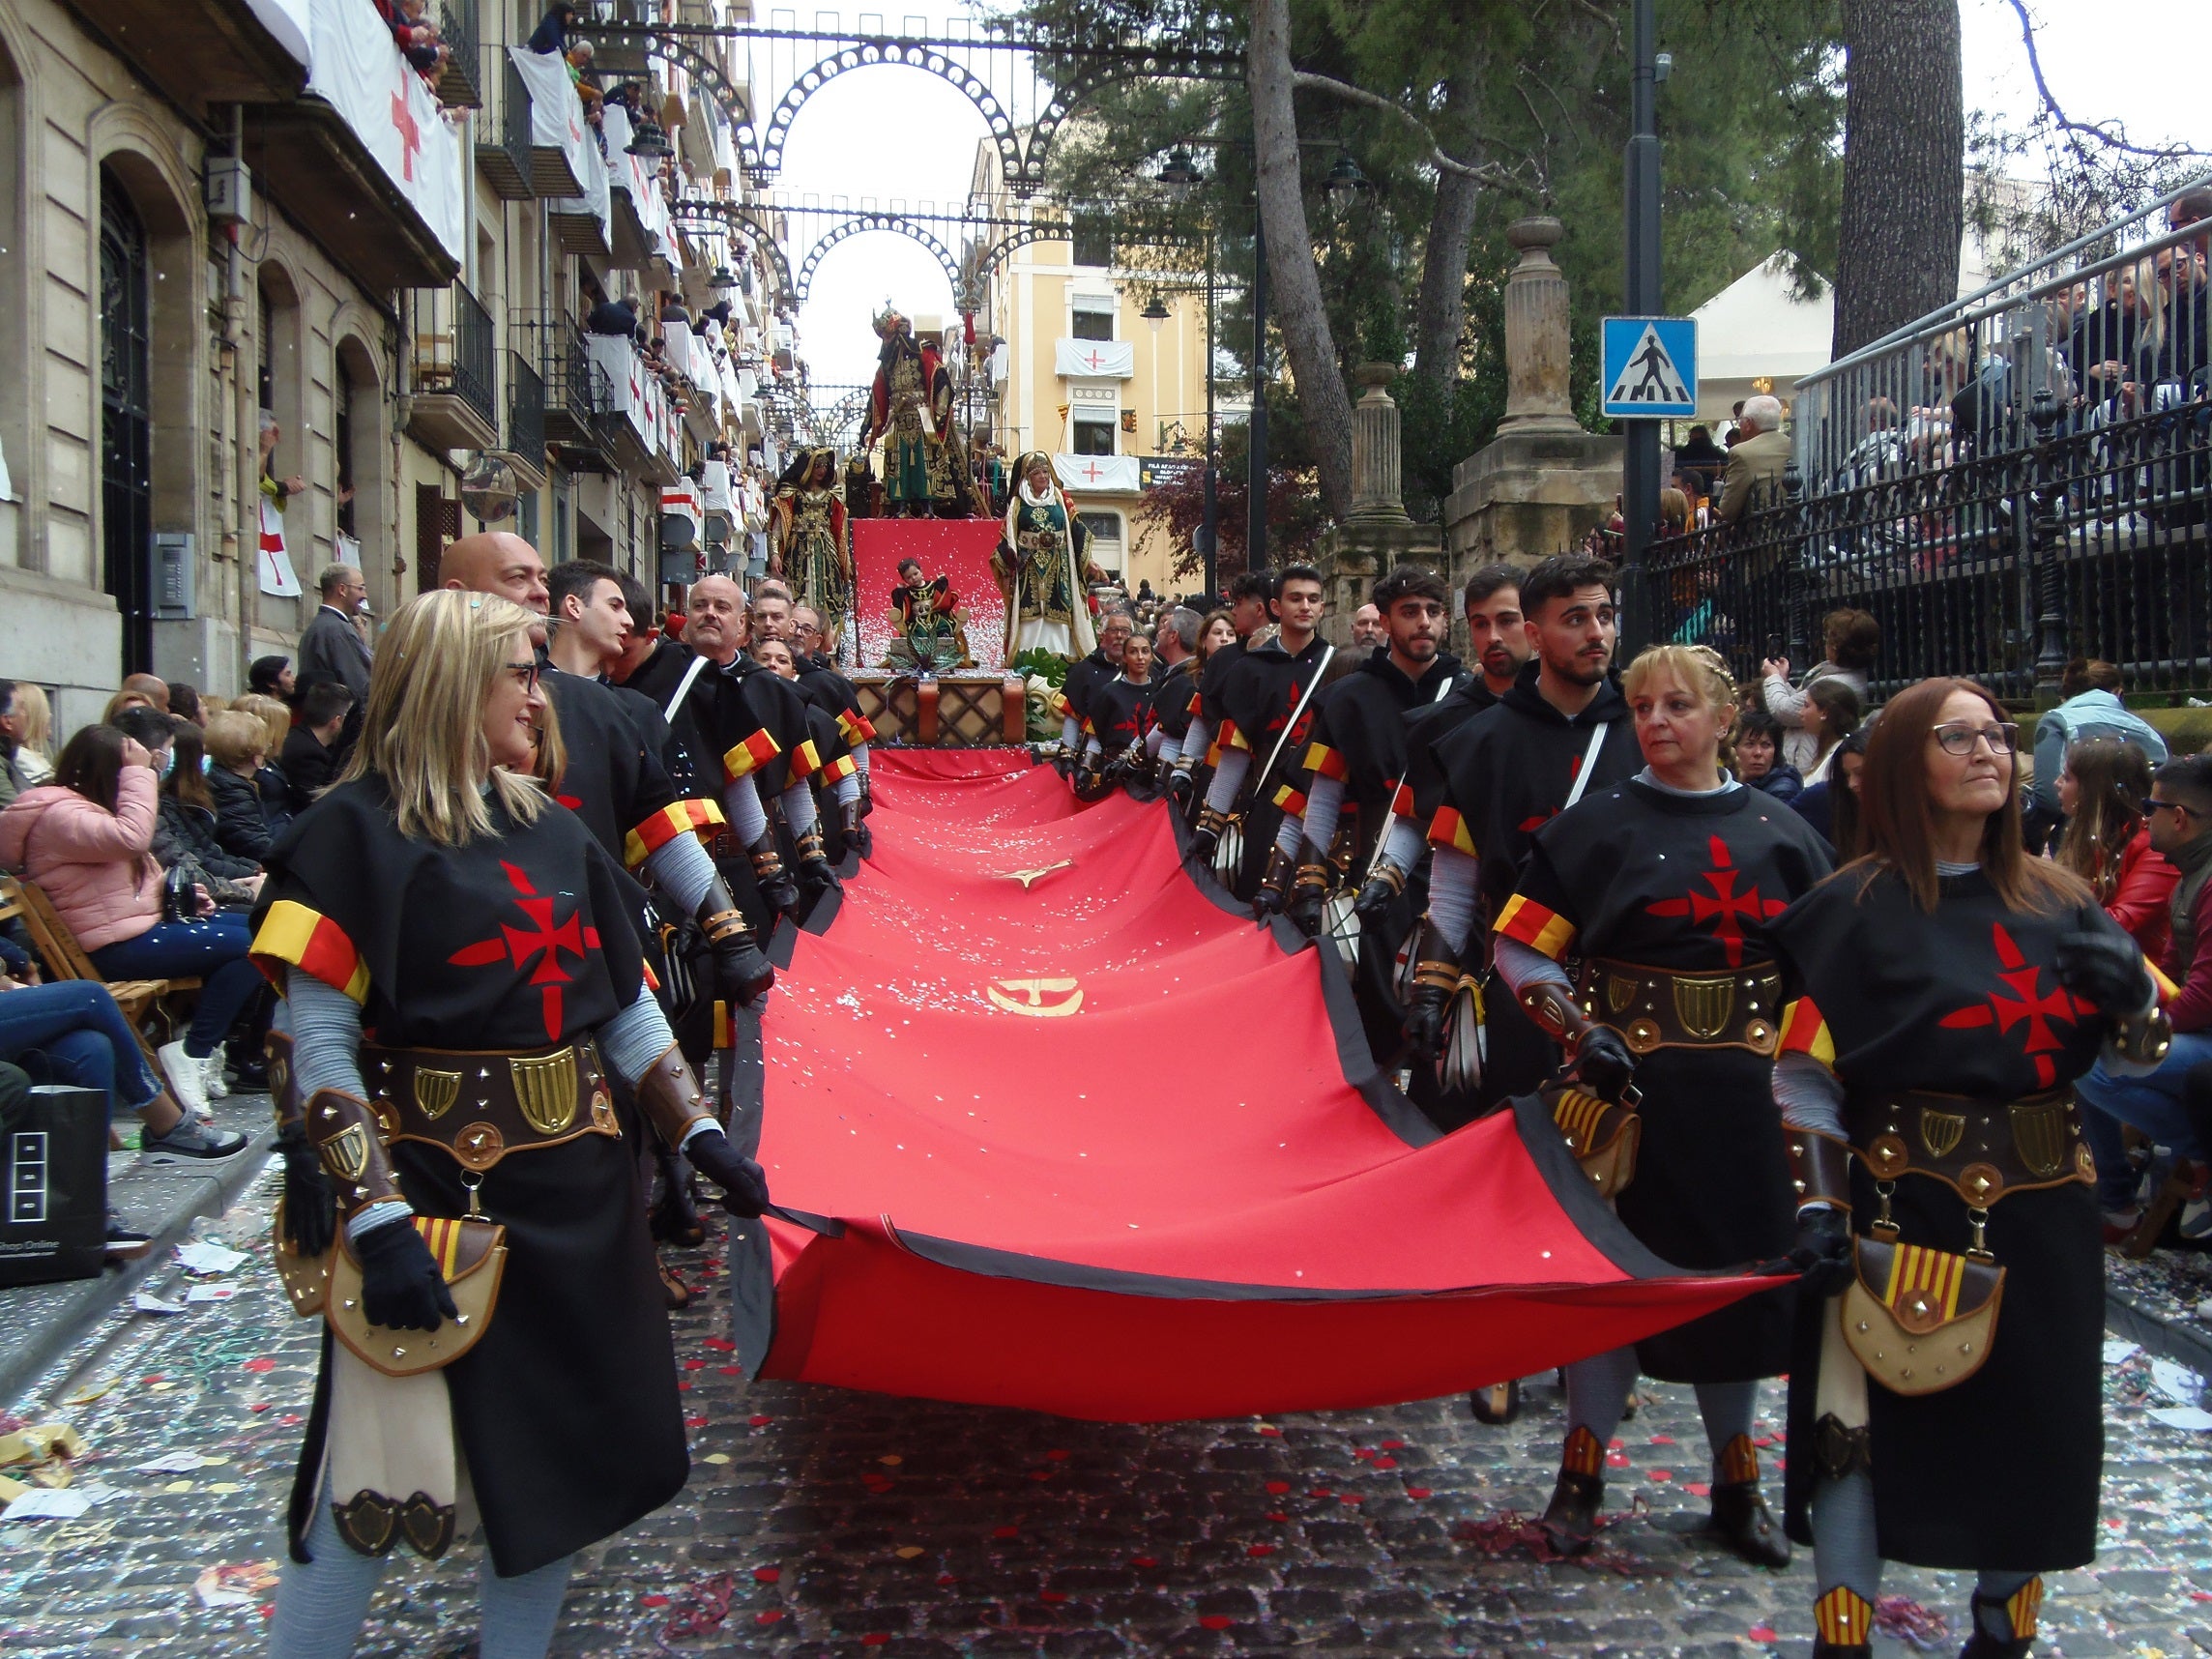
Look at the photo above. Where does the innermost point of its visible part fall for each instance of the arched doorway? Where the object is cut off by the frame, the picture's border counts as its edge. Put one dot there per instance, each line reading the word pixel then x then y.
pixel 127 421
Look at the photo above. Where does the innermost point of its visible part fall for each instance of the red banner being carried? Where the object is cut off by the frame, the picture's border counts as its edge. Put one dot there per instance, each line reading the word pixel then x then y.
pixel 1103 1149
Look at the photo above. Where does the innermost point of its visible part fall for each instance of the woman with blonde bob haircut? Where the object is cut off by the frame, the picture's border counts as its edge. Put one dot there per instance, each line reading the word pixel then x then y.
pixel 1662 887
pixel 437 896
pixel 1946 990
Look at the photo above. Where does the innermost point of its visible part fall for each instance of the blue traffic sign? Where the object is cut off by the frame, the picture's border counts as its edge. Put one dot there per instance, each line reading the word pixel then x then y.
pixel 1650 365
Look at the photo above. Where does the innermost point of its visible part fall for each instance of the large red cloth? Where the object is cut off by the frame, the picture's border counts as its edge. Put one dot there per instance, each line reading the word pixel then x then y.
pixel 960 548
pixel 1096 1151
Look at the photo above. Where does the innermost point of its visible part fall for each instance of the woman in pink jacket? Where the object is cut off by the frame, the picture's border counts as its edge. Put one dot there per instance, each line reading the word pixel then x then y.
pixel 83 840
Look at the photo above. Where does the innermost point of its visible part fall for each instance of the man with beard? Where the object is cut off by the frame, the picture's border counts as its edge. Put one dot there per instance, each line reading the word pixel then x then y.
pixel 1498 645
pixel 1251 607
pixel 1266 715
pixel 1560 729
pixel 1358 750
pixel 909 407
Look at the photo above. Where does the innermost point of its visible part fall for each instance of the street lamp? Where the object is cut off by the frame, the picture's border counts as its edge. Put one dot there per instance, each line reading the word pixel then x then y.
pixel 1347 184
pixel 651 143
pixel 1179 173
pixel 723 279
pixel 1155 313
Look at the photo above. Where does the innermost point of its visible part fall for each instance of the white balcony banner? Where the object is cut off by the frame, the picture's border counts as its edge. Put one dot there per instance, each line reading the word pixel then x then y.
pixel 557 123
pixel 274 564
pixel 359 72
pixel 1093 360
pixel 1096 474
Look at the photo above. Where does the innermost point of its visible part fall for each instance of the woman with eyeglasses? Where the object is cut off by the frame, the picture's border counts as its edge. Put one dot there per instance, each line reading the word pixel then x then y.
pixel 1947 990
pixel 1663 886
pixel 440 900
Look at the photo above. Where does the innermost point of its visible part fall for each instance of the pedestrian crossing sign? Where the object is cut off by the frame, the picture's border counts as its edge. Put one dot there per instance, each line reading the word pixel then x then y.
pixel 1650 365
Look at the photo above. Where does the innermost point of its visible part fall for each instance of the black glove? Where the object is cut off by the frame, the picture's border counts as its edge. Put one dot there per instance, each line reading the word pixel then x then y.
pixel 1179 785
pixel 1603 1063
pixel 1823 1252
pixel 400 1286
pixel 2104 972
pixel 310 1202
pixel 742 974
pixel 1374 900
pixel 743 1183
pixel 1424 1026
pixel 1203 842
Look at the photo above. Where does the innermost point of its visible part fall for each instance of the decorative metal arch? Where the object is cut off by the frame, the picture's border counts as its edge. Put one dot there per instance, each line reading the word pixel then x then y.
pixel 840 419
pixel 736 215
pixel 1092 73
pixel 897 223
pixel 708 73
pixel 913 54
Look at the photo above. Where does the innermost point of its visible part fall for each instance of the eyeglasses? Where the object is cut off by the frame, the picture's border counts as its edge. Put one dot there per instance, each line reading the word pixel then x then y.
pixel 2152 806
pixel 525 674
pixel 1958 736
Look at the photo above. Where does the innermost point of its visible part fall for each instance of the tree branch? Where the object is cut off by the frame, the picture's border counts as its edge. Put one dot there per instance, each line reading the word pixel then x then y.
pixel 1487 173
pixel 2112 135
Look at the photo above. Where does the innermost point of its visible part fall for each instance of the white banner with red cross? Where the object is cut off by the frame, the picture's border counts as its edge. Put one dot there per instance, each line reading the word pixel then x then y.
pixel 359 72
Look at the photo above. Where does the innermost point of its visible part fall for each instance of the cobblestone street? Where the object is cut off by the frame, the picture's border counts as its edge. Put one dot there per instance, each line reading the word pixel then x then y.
pixel 823 1522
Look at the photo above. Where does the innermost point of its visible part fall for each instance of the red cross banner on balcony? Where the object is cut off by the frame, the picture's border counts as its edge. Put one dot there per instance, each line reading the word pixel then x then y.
pixel 274 562
pixel 358 71
pixel 1096 474
pixel 1093 360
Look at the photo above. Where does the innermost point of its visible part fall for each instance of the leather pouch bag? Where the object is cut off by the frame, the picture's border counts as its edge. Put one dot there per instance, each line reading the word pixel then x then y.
pixel 1920 1320
pixel 472 1256
pixel 1603 1137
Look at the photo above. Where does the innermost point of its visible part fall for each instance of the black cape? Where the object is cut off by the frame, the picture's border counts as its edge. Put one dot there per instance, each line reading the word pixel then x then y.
pixel 1084 681
pixel 1359 734
pixel 1259 696
pixel 2002 1471
pixel 1688 885
pixel 1172 694
pixel 565 1410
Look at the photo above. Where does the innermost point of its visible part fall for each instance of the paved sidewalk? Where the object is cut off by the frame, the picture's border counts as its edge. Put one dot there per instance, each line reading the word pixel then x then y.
pixel 39 1322
pixel 819 1523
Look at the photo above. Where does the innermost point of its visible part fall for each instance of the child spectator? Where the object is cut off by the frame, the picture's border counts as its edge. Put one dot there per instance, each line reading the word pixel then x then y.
pixel 310 756
pixel 237 746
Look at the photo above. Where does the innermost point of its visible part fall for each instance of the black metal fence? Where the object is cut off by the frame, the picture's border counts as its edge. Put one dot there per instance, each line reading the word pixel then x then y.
pixel 2004 485
pixel 503 146
pixel 2089 540
pixel 574 389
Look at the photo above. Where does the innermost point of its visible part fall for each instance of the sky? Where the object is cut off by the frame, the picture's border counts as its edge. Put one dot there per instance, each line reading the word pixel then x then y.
pixel 897 134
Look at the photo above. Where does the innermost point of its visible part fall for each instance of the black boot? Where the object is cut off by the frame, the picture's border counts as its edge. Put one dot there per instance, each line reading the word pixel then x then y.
pixel 1570 1518
pixel 2019 1611
pixel 1741 1520
pixel 675 1217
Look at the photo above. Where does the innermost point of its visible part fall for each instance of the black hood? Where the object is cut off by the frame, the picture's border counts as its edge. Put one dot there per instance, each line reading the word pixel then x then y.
pixel 1608 704
pixel 1444 667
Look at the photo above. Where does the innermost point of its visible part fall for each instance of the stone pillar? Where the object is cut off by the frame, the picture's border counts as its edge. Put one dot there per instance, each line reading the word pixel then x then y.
pixel 1375 479
pixel 1540 486
pixel 1536 350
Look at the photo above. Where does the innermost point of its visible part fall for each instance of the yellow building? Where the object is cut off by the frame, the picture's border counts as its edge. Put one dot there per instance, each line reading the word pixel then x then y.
pixel 1078 370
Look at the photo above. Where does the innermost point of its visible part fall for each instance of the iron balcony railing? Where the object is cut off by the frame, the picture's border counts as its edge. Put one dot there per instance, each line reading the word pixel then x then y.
pixel 525 410
pixel 456 349
pixel 502 145
pixel 2018 479
pixel 461 78
pixel 574 389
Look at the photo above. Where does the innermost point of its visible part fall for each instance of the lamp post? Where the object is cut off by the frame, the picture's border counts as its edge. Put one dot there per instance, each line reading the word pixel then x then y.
pixel 1180 176
pixel 1639 168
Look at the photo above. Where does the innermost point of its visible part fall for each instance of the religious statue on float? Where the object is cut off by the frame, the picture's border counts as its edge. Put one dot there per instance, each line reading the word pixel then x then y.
pixel 928 624
pixel 910 409
pixel 1041 568
pixel 808 544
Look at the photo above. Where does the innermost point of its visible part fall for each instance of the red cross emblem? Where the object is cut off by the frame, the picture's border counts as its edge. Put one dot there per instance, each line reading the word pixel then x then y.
pixel 410 134
pixel 273 546
pixel 1726 909
pixel 2023 1006
pixel 544 939
pixel 1093 357
pixel 1090 473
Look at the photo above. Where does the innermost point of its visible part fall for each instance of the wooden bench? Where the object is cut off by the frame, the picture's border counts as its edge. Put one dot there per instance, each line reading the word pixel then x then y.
pixel 140 1000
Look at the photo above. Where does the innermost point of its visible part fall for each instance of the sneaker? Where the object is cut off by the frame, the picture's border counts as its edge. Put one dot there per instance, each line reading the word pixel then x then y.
pixel 2195 1224
pixel 125 1242
pixel 191 1138
pixel 187 1080
pixel 218 1085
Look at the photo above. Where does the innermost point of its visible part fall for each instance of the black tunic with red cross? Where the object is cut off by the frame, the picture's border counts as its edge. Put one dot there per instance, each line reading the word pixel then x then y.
pixel 1174 697
pixel 616 778
pixel 1687 885
pixel 2004 1470
pixel 1358 736
pixel 1121 715
pixel 518 942
pixel 1258 697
